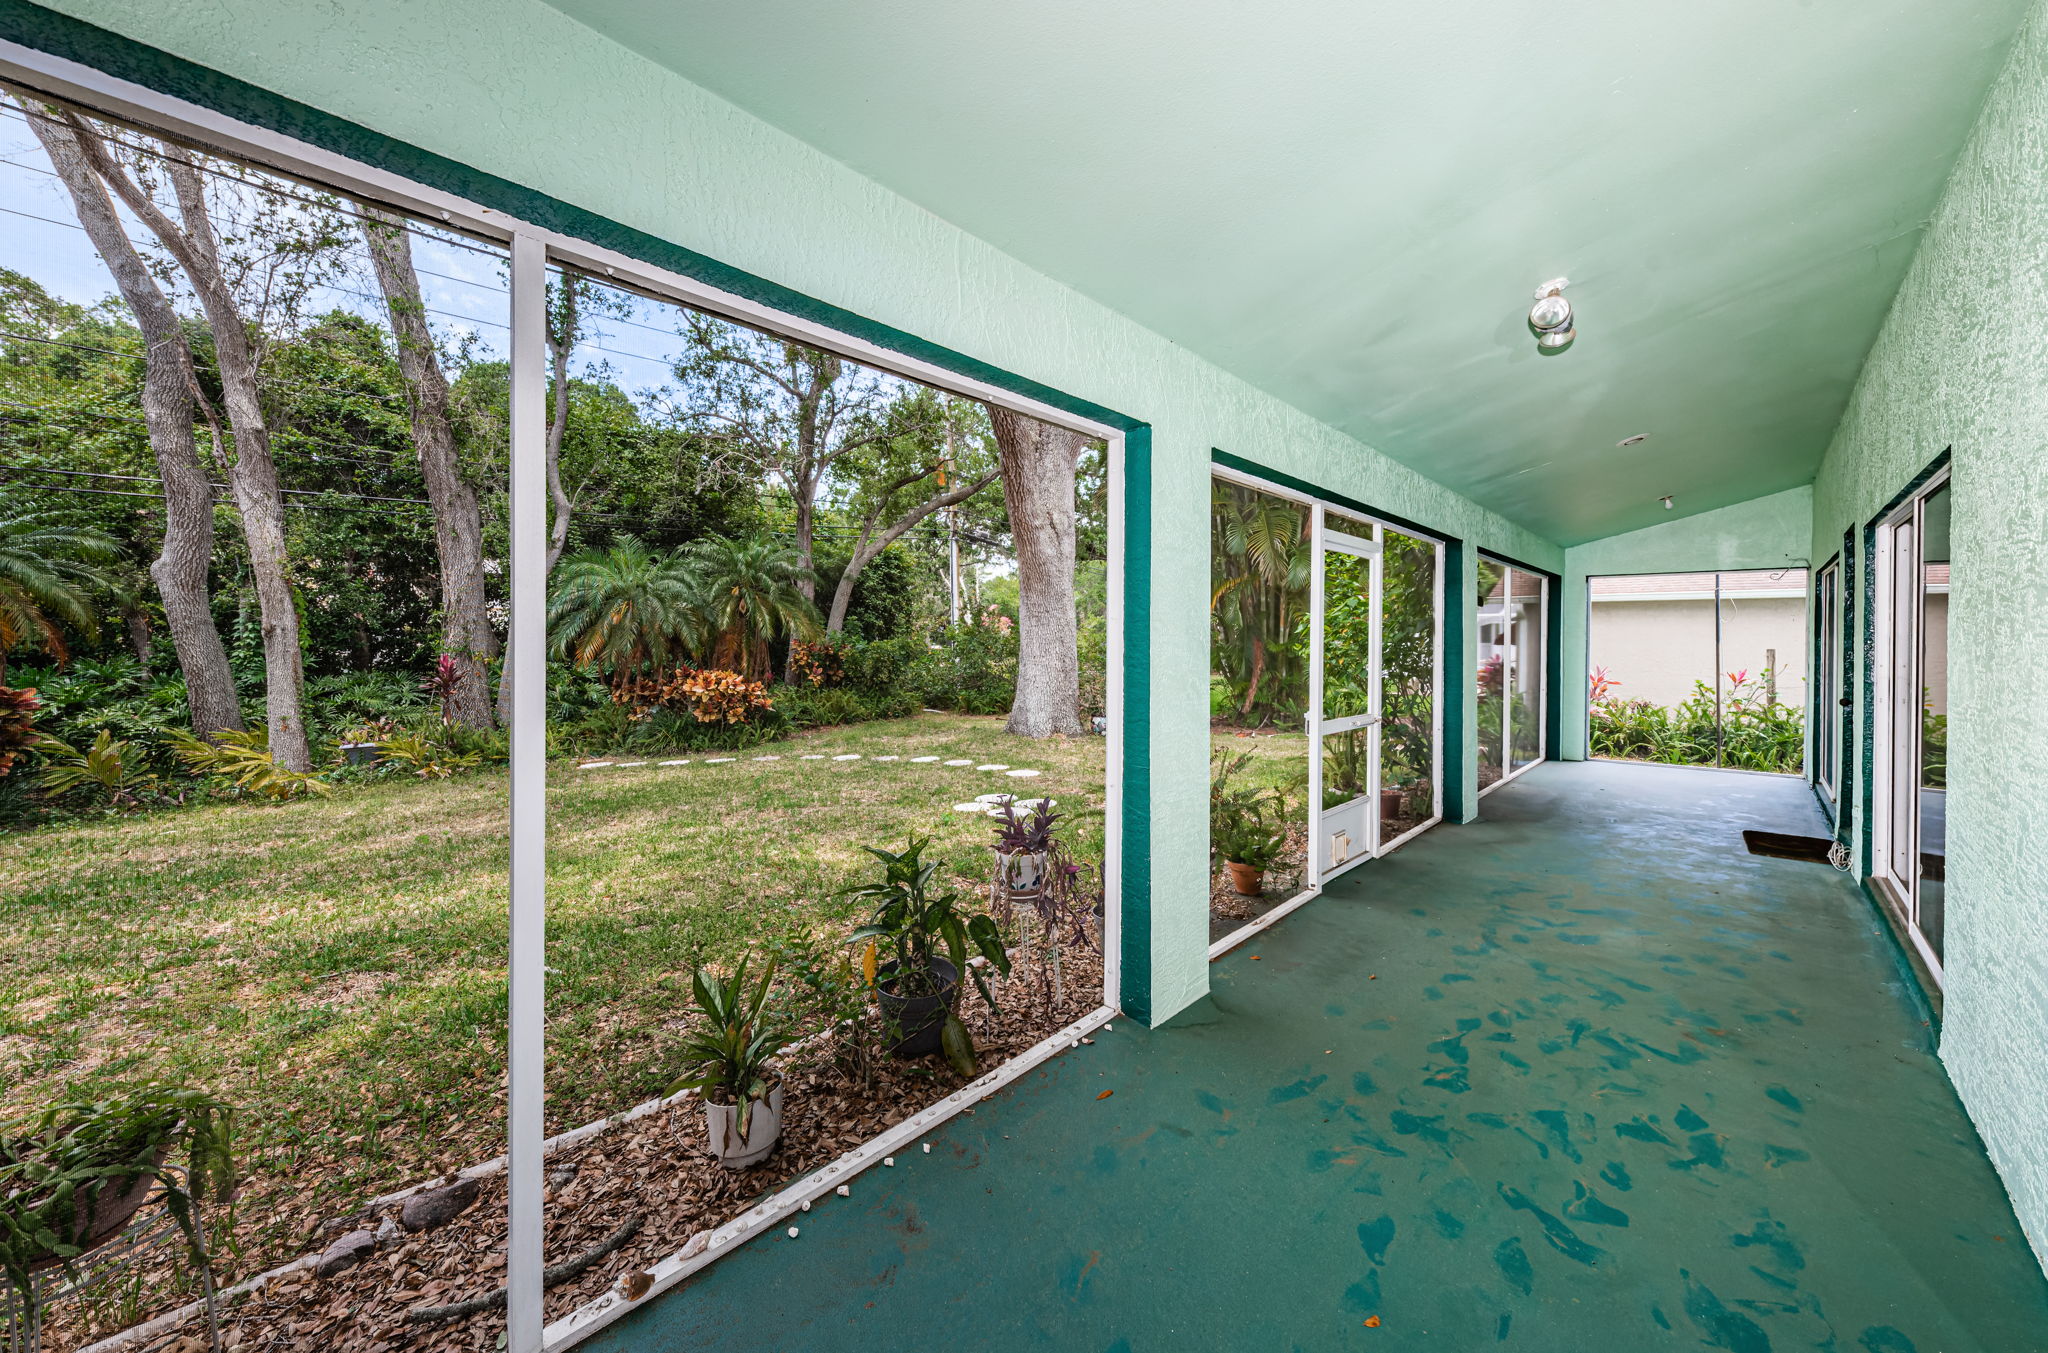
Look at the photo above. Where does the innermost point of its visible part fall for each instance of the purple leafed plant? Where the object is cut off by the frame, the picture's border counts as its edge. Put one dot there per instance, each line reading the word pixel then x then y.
pixel 443 685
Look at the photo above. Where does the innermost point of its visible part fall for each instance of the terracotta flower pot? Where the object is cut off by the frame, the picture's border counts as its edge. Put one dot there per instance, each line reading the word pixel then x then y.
pixel 110 1216
pixel 1246 879
pixel 1390 804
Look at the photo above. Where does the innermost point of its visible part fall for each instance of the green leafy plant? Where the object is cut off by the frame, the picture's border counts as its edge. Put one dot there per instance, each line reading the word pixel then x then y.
pixel 244 759
pixel 911 923
pixel 1242 826
pixel 114 770
pixel 427 759
pixel 64 1168
pixel 726 1059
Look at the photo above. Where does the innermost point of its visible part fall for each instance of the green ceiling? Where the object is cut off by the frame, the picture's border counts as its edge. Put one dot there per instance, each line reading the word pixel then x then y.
pixel 1348 204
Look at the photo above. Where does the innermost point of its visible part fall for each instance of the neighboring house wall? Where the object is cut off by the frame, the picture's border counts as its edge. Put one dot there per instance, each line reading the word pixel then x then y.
pixel 1958 365
pixel 1763 533
pixel 1658 649
pixel 518 89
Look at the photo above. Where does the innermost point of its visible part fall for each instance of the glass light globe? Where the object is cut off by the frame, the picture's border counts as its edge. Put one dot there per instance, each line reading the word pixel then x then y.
pixel 1557 340
pixel 1549 313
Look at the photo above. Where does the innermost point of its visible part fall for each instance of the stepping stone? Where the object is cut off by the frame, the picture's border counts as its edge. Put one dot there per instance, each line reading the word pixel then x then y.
pixel 1024 774
pixel 923 758
pixel 767 758
pixel 675 763
pixel 998 797
pixel 594 765
pixel 813 756
pixel 976 807
pixel 887 758
pixel 628 765
pixel 850 756
pixel 962 762
pixel 994 765
pixel 714 760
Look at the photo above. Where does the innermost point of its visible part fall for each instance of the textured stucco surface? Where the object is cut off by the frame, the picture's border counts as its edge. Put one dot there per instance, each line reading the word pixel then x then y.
pixel 1767 532
pixel 515 88
pixel 1961 362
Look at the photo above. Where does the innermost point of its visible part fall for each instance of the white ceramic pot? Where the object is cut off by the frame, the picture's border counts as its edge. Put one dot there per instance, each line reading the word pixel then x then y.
pixel 764 1129
pixel 1024 871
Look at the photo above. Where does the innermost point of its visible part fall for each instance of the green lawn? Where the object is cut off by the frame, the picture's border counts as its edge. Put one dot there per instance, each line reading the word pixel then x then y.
pixel 337 967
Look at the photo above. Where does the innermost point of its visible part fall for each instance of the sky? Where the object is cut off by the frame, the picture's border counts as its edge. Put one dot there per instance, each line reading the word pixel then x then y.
pixel 465 291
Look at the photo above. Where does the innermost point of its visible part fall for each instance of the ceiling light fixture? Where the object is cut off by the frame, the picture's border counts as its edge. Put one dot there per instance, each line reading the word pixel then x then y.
pixel 1639 438
pixel 1666 500
pixel 1550 319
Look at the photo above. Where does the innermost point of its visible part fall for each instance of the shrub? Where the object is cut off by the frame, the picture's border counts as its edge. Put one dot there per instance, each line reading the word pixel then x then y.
pixel 245 762
pixel 115 771
pixel 975 669
pixel 18 710
pixel 804 707
pixel 884 666
pixel 1755 731
pixel 815 663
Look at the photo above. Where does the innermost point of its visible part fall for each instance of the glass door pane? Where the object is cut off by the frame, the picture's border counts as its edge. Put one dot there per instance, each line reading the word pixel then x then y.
pixel 1827 685
pixel 1902 752
pixel 1349 740
pixel 1526 668
pixel 1493 666
pixel 1933 692
pixel 1408 668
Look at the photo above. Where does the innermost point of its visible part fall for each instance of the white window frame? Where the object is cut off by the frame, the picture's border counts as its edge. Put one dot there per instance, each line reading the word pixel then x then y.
pixel 532 250
pixel 1508 769
pixel 1826 734
pixel 1898 666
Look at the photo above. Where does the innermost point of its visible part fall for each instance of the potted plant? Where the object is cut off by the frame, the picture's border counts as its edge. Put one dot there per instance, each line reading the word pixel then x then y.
pixel 74 1174
pixel 1248 846
pixel 917 989
pixel 726 1061
pixel 1024 847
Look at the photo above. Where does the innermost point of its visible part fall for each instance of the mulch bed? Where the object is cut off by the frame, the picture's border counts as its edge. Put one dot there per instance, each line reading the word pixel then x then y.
pixel 655 1168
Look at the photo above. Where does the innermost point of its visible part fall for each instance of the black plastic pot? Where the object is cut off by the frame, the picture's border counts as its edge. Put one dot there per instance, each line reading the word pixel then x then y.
pixel 912 1025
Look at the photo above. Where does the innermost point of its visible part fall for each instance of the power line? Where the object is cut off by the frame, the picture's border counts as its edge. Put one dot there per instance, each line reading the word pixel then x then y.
pixel 24 116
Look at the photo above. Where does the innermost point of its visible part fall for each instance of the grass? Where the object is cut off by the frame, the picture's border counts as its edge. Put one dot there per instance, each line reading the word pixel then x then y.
pixel 337 967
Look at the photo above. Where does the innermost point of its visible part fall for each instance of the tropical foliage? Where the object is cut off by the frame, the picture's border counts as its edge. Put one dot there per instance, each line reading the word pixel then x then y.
pixel 1754 731
pixel 1258 604
pixel 48 564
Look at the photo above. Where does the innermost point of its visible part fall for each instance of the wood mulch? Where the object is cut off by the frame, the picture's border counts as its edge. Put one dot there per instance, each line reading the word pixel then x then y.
pixel 655 1168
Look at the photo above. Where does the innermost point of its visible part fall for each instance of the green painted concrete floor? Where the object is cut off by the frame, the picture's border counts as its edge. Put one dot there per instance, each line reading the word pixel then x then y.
pixel 1581 1076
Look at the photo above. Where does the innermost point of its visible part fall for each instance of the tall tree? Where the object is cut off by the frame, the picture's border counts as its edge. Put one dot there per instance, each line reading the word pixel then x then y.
pixel 170 390
pixel 1038 461
pixel 282 244
pixel 784 411
pixel 901 480
pixel 466 633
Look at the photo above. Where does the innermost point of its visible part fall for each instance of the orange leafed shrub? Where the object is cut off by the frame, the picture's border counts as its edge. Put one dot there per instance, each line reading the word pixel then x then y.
pixel 17 725
pixel 724 697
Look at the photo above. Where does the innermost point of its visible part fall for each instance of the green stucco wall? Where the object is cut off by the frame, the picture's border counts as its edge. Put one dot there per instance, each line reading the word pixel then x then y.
pixel 1767 532
pixel 1962 362
pixel 516 89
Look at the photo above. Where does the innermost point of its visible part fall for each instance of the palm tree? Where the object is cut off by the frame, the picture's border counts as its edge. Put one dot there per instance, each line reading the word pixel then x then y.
pixel 626 609
pixel 748 591
pixel 1259 592
pixel 46 565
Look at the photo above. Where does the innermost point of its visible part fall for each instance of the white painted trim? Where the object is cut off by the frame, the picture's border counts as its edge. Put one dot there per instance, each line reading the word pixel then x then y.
pixel 1113 706
pixel 1259 923
pixel 526 662
pixel 593 1316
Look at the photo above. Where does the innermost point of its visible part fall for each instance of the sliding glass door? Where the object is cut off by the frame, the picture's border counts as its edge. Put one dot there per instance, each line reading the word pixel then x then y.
pixel 1910 666
pixel 1827 670
pixel 1514 613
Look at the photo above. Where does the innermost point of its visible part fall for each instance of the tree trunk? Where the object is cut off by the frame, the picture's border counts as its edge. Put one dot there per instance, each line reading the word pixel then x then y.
pixel 871 545
pixel 169 390
pixel 466 633
pixel 1037 462
pixel 139 638
pixel 561 342
pixel 253 475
